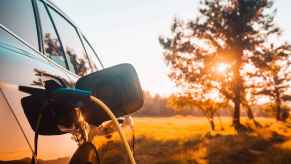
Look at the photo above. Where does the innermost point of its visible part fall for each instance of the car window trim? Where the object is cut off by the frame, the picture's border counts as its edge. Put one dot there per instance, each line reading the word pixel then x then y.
pixel 64 15
pixel 83 45
pixel 95 53
pixel 56 31
pixel 57 9
pixel 38 27
pixel 35 24
pixel 50 4
pixel 77 32
pixel 36 51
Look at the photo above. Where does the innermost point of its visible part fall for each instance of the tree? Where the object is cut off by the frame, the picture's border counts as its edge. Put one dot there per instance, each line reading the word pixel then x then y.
pixel 208 102
pixel 228 32
pixel 273 63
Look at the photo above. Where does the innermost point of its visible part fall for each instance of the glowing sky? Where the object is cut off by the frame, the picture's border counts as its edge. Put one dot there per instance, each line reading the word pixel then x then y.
pixel 128 30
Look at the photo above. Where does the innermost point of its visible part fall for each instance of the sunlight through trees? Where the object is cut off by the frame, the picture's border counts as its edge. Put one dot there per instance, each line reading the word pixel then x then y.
pixel 229 48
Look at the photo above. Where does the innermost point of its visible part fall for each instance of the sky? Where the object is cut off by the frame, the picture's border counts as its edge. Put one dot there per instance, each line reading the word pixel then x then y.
pixel 127 31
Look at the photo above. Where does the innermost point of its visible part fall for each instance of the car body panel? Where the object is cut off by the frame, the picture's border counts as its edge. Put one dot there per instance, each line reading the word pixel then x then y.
pixel 13 145
pixel 22 68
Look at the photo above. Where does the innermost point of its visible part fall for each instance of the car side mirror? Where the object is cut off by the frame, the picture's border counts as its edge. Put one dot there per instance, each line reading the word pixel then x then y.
pixel 117 86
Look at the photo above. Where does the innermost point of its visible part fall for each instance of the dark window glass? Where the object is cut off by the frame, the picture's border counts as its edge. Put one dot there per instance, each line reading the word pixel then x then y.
pixel 95 64
pixel 78 61
pixel 18 16
pixel 51 43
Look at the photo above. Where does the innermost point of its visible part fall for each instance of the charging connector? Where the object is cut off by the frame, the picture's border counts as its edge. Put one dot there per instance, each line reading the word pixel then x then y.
pixel 72 98
pixel 107 110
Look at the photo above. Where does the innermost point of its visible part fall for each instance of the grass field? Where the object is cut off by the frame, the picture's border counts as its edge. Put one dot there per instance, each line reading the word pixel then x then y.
pixel 176 140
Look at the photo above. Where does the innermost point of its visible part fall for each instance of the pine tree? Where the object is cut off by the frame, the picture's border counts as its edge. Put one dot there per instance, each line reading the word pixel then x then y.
pixel 225 31
pixel 275 70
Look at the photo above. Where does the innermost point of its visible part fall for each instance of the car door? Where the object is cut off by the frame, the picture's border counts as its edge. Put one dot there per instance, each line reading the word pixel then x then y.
pixel 21 64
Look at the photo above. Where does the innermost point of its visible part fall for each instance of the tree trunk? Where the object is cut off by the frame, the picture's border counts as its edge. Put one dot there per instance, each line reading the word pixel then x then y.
pixel 211 122
pixel 210 118
pixel 237 82
pixel 236 112
pixel 237 96
pixel 250 113
pixel 252 117
pixel 278 100
pixel 278 110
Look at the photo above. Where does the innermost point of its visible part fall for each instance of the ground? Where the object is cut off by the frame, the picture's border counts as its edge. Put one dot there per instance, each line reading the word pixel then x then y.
pixel 184 140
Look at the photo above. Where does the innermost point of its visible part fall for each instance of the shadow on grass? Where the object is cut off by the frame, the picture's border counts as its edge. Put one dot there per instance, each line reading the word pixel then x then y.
pixel 149 150
pixel 239 149
pixel 262 146
pixel 40 161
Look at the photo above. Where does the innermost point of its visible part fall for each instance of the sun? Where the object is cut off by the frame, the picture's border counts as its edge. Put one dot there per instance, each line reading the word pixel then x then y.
pixel 214 95
pixel 221 68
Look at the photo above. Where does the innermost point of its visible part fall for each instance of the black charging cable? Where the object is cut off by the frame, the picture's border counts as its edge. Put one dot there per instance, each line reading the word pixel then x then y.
pixel 49 85
pixel 36 133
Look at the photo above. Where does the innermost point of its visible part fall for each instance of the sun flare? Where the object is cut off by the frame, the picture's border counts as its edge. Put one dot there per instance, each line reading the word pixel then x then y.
pixel 214 95
pixel 222 68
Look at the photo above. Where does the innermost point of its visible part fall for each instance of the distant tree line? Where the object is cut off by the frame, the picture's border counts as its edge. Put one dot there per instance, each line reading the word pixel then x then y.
pixel 156 105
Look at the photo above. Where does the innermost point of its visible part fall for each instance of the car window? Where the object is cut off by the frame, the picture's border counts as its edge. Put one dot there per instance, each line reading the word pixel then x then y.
pixel 51 43
pixel 18 16
pixel 95 63
pixel 78 61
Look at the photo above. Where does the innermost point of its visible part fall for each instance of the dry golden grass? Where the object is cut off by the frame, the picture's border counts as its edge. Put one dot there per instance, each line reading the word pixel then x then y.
pixel 176 140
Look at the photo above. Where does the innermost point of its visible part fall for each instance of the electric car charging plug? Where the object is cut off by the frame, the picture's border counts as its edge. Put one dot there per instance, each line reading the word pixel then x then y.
pixel 75 98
